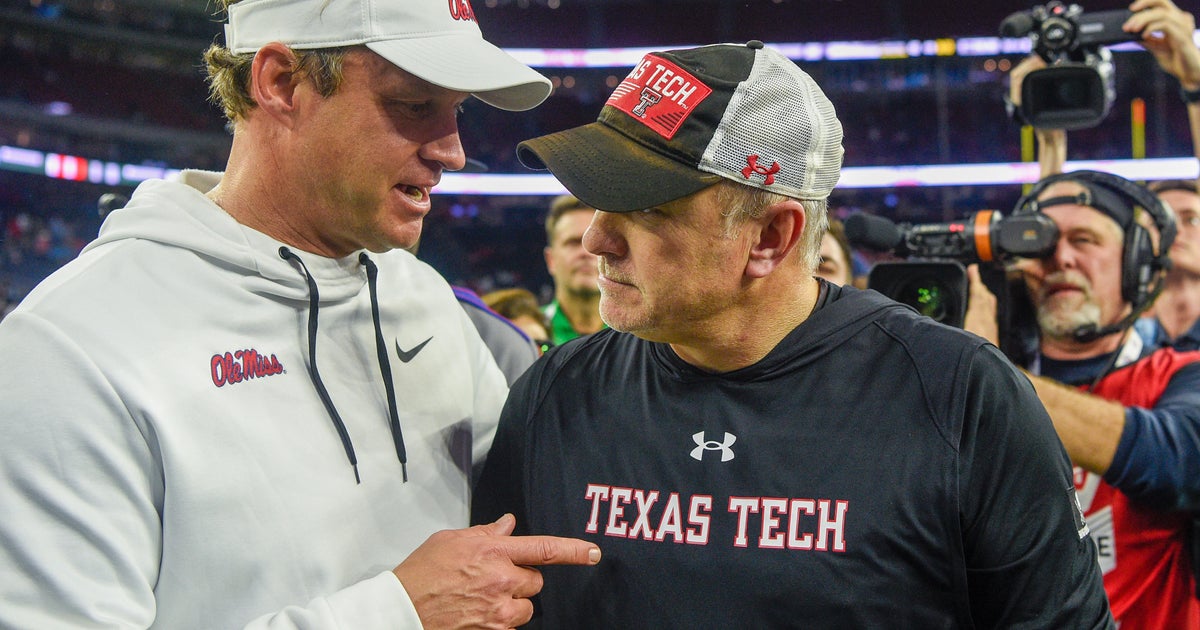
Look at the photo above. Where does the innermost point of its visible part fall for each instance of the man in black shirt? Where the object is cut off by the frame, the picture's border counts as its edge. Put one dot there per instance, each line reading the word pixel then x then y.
pixel 750 446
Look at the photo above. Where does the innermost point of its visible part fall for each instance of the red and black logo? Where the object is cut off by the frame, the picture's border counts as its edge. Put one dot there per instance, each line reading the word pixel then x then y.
pixel 461 10
pixel 234 367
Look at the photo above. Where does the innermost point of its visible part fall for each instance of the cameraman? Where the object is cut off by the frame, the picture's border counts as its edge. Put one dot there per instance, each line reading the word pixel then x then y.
pixel 1128 416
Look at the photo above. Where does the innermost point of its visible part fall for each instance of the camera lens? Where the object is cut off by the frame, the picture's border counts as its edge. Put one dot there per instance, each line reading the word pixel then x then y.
pixel 927 295
pixel 934 288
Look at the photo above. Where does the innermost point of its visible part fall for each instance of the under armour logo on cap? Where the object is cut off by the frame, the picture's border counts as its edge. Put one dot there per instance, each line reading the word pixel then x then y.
pixel 753 167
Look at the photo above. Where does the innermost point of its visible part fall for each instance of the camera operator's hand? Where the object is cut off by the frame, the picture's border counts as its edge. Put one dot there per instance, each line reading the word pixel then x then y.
pixel 1167 33
pixel 1017 75
pixel 980 317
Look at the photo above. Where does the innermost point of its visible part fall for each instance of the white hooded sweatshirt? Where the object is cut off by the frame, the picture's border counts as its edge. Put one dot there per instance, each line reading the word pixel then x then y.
pixel 167 460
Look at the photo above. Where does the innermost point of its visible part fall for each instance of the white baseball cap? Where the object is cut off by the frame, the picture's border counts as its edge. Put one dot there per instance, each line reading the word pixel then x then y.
pixel 436 40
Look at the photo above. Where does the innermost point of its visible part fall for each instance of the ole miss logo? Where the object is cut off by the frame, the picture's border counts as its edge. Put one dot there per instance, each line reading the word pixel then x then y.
pixel 461 10
pixel 234 367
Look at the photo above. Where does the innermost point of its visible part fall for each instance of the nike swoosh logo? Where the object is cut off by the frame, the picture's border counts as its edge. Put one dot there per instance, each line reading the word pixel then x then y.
pixel 409 355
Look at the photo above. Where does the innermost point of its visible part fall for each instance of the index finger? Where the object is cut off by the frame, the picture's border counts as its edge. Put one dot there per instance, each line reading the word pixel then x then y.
pixel 539 550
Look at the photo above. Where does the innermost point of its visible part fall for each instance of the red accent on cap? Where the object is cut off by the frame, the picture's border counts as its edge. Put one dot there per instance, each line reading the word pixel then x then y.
pixel 461 10
pixel 752 166
pixel 659 94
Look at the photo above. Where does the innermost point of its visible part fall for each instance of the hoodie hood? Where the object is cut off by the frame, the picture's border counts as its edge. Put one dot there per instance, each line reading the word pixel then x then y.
pixel 177 213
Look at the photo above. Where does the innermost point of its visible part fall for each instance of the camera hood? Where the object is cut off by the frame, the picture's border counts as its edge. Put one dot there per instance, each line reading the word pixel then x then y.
pixel 1066 95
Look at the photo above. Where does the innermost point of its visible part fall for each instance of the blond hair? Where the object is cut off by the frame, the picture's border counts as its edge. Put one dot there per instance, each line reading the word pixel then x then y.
pixel 229 73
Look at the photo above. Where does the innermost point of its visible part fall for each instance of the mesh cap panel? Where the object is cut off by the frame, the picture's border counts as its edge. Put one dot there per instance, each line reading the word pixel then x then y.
pixel 779 133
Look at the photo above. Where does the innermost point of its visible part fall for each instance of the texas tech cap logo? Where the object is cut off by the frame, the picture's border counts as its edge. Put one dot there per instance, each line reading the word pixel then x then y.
pixel 659 94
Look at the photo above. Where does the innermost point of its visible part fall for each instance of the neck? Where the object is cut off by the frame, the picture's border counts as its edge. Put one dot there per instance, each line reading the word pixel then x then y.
pixel 255 193
pixel 747 332
pixel 582 310
pixel 1069 349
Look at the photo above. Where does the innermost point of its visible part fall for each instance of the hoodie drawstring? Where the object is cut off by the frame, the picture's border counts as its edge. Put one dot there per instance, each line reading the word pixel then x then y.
pixel 385 365
pixel 314 301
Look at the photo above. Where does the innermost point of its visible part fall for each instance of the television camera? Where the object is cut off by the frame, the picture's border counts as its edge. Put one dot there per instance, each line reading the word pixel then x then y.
pixel 935 284
pixel 1075 90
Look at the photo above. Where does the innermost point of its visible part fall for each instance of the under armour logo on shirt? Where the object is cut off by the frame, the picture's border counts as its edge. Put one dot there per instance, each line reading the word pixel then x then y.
pixel 713 445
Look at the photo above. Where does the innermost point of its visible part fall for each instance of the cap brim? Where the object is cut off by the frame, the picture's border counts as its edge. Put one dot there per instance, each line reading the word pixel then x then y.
pixel 609 171
pixel 468 63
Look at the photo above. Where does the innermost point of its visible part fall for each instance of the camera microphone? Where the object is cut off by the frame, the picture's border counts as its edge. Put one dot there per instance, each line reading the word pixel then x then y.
pixel 872 232
pixel 985 236
pixel 1018 24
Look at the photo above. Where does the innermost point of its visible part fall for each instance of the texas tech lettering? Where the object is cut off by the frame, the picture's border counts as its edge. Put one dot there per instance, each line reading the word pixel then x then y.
pixel 659 94
pixel 666 80
pixel 771 522
pixel 235 367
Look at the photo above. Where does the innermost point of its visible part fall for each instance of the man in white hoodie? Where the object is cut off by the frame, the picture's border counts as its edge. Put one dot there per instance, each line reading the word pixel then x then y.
pixel 242 405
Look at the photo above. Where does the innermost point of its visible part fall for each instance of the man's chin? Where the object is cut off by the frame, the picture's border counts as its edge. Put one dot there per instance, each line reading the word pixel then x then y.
pixel 1062 324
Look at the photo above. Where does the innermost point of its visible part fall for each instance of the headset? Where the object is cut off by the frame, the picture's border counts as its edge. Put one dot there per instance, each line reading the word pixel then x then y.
pixel 1142 269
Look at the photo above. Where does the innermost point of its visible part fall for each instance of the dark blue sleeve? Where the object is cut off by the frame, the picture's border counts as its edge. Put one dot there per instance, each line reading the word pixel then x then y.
pixel 501 485
pixel 1158 458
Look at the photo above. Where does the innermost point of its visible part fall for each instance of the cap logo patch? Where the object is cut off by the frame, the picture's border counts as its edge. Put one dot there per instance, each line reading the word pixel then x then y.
pixel 768 172
pixel 461 10
pixel 659 94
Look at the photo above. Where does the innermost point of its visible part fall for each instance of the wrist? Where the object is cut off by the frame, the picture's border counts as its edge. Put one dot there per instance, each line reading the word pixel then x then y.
pixel 1014 111
pixel 1191 96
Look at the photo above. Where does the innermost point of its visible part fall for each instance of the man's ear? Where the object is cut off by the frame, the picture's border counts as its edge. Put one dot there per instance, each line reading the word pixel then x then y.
pixel 273 81
pixel 780 229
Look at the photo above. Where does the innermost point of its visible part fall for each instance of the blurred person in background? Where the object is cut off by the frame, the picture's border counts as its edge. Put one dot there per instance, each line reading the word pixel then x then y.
pixel 1174 320
pixel 242 405
pixel 575 309
pixel 511 346
pixel 710 439
pixel 520 307
pixel 837 259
